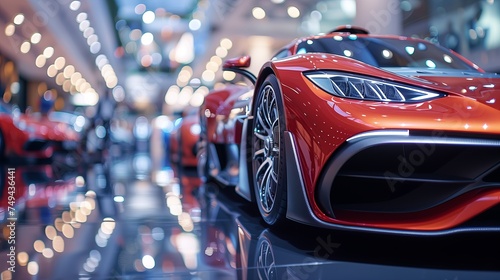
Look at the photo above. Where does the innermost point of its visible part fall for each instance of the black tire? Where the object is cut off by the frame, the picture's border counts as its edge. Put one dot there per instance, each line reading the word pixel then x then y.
pixel 202 155
pixel 267 157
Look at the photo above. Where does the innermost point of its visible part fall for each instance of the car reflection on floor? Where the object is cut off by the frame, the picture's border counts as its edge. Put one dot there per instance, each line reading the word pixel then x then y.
pixel 301 252
pixel 127 218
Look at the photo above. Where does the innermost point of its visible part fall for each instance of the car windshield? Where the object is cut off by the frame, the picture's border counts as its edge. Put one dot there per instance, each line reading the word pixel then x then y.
pixel 387 52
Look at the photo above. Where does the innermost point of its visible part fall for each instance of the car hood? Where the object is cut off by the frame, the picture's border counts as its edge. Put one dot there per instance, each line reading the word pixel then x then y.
pixel 48 129
pixel 470 106
pixel 483 87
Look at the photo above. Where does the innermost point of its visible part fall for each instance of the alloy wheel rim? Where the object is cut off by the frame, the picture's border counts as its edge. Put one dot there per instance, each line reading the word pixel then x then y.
pixel 265 262
pixel 266 149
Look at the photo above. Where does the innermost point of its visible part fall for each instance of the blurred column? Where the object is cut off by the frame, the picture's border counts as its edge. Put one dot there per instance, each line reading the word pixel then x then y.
pixel 379 16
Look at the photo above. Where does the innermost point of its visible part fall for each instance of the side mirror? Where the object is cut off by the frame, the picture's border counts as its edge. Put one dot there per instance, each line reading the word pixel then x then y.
pixel 236 64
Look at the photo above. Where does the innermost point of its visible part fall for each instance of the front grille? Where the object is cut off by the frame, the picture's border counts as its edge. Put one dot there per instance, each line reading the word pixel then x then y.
pixel 401 172
pixel 411 177
pixel 35 145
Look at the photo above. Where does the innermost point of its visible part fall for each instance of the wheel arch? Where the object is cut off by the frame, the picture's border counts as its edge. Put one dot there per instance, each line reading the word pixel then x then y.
pixel 245 186
pixel 266 70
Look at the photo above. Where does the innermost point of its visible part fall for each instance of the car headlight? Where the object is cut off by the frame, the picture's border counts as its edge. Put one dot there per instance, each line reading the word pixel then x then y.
pixel 367 88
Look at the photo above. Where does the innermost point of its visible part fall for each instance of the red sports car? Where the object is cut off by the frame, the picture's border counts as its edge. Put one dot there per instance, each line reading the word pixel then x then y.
pixel 184 139
pixel 28 136
pixel 363 132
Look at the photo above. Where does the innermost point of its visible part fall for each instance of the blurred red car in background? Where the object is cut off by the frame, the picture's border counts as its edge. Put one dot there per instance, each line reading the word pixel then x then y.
pixel 184 139
pixel 37 137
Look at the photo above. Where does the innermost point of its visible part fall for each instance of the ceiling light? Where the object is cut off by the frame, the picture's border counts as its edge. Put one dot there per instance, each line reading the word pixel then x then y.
pixel 131 47
pixel 258 13
pixel 172 95
pixel 106 69
pixel 84 25
pixel 51 71
pixel 10 29
pixel 36 38
pixel 185 96
pixel 32 268
pixel 195 24
pixel 146 60
pixel 316 15
pixel 48 52
pixel 88 98
pixel 228 75
pixel 75 5
pixel 66 85
pixel 59 63
pixel 147 38
pixel 277 1
pixel 181 83
pixel 196 99
pixel 216 59
pixel 148 17
pixel 14 87
pixel 139 9
pixel 112 82
pixel 293 12
pixel 40 61
pixel 92 39
pixel 75 77
pixel 95 47
pixel 221 52
pixel 208 76
pixel 101 60
pixel 135 34
pixel 85 86
pixel 79 83
pixel 195 82
pixel 89 31
pixel 119 94
pixel 19 19
pixel 60 79
pixel 25 47
pixel 184 51
pixel 157 58
pixel 226 43
pixel 212 66
pixel 81 17
pixel 349 7
pixel 68 71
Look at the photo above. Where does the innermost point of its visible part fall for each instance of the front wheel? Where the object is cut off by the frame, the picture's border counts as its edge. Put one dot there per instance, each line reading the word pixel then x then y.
pixel 267 153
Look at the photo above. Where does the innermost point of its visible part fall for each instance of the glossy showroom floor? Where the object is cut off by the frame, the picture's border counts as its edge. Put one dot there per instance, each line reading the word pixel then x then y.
pixel 130 218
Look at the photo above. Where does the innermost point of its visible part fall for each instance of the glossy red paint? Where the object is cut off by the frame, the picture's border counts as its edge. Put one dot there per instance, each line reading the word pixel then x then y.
pixel 317 141
pixel 189 138
pixel 221 111
pixel 184 139
pixel 242 62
